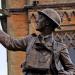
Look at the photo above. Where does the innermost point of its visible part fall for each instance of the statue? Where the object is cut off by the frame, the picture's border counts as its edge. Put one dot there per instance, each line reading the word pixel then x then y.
pixel 45 56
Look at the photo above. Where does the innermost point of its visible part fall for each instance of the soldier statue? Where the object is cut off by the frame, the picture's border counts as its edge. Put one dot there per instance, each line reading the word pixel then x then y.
pixel 45 55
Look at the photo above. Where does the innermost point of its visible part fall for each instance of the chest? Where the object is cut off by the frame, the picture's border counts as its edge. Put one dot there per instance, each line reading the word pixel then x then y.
pixel 39 54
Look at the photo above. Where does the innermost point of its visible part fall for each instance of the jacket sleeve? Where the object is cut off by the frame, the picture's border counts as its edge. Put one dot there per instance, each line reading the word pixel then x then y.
pixel 69 67
pixel 11 43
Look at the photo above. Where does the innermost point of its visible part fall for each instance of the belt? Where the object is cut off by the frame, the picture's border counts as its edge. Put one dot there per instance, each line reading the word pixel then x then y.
pixel 39 72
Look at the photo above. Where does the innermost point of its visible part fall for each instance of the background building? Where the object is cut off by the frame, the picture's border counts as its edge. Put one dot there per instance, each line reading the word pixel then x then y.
pixel 19 20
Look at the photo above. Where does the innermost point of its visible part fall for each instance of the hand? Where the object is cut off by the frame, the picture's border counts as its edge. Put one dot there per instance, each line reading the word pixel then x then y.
pixel 5 12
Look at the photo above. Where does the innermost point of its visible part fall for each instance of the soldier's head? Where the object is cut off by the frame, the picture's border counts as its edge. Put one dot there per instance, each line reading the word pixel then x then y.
pixel 48 18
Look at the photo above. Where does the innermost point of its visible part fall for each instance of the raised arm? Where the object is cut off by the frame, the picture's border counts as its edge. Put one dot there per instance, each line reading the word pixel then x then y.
pixel 69 67
pixel 11 43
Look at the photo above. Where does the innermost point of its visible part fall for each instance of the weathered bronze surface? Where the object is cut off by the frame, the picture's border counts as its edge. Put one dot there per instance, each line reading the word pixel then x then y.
pixel 45 56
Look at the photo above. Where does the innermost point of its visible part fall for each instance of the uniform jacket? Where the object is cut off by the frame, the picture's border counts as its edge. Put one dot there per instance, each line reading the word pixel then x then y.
pixel 61 52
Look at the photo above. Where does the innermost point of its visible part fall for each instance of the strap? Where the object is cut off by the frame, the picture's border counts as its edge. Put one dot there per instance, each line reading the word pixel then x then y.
pixel 54 64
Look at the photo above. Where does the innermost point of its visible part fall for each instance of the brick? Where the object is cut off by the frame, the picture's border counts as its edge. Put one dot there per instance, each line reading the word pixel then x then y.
pixel 17 27
pixel 16 3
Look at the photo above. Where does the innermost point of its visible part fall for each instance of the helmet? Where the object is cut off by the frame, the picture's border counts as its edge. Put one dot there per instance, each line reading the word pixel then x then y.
pixel 52 15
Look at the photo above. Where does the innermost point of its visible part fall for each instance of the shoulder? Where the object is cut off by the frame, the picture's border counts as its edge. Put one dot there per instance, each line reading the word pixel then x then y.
pixel 61 45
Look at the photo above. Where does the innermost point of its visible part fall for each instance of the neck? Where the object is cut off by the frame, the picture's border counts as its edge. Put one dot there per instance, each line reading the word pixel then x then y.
pixel 44 33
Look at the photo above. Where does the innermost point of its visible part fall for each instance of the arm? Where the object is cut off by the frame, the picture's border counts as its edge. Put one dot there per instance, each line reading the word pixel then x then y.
pixel 65 59
pixel 11 43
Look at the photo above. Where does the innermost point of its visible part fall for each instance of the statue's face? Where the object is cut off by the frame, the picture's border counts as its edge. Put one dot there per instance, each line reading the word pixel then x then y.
pixel 43 22
pixel 40 22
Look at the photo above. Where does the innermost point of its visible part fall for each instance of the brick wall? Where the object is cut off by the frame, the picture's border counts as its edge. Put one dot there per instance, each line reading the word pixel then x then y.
pixel 17 26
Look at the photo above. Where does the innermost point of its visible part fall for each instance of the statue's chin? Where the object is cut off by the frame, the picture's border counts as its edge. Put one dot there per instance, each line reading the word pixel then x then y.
pixel 39 30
